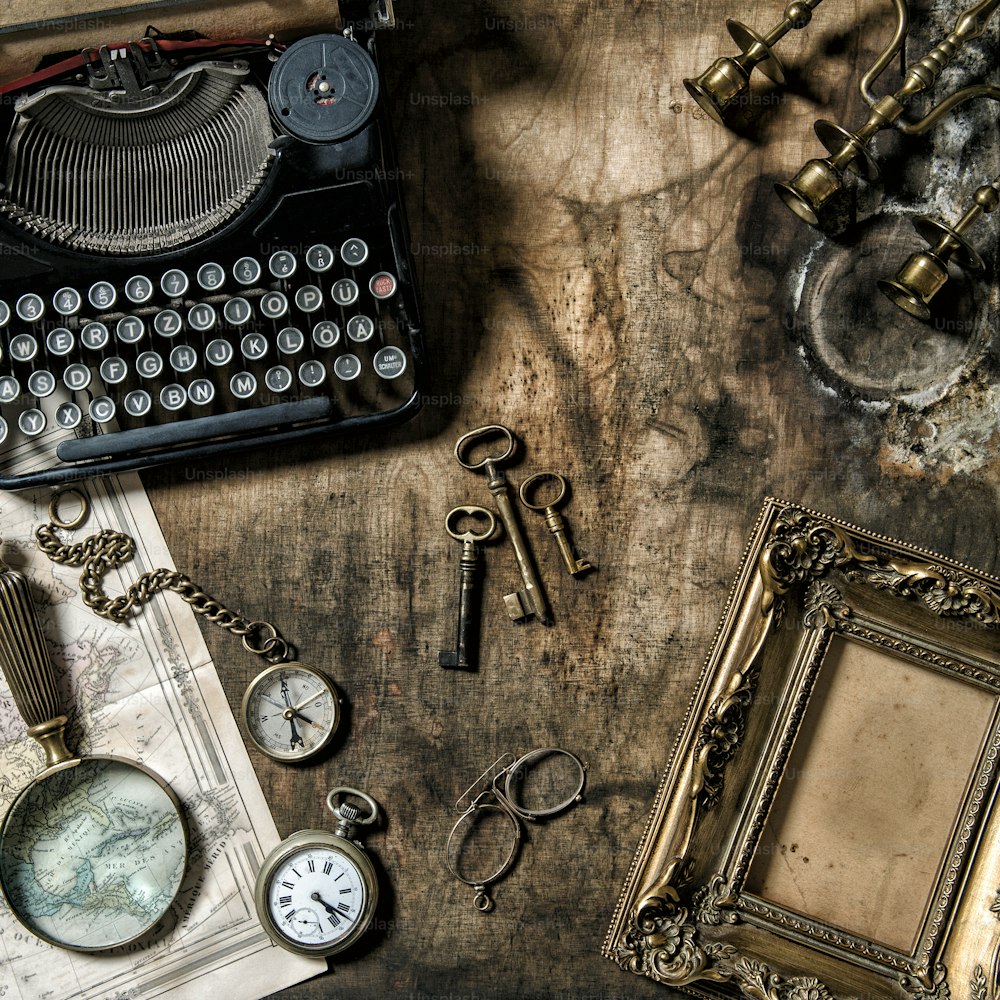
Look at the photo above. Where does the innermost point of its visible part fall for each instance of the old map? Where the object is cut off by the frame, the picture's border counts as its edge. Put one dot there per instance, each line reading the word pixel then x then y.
pixel 145 691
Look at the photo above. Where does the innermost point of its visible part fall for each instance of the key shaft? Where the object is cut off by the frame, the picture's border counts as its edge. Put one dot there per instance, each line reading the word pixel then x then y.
pixel 531 600
pixel 556 523
pixel 463 656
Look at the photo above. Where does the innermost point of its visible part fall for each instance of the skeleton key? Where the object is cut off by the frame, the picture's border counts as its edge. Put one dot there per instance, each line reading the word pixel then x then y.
pixel 554 521
pixel 531 600
pixel 463 657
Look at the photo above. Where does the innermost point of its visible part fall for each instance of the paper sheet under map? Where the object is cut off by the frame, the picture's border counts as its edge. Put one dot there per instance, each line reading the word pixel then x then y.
pixel 147 691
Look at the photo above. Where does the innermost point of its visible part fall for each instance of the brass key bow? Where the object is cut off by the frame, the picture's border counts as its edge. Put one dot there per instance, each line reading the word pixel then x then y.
pixel 531 600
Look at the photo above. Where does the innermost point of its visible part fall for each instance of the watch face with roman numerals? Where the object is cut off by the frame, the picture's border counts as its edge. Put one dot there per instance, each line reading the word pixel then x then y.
pixel 316 895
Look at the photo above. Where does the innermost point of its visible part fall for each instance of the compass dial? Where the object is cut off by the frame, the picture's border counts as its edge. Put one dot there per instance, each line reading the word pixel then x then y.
pixel 291 711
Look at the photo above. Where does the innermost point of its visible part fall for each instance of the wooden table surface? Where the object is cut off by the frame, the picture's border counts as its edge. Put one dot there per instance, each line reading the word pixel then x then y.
pixel 608 273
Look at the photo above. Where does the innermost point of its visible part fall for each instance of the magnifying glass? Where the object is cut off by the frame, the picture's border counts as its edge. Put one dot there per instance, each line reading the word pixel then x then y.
pixel 94 850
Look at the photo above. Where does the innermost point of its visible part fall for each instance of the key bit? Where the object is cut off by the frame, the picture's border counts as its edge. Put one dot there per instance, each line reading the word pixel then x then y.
pixel 531 599
pixel 554 521
pixel 464 656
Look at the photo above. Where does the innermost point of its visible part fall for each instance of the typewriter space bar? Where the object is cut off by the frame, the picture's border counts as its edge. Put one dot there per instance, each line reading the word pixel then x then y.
pixel 162 436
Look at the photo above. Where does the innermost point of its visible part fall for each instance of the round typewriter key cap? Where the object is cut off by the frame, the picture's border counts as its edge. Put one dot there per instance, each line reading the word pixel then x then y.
pixel 130 330
pixel 175 283
pixel 95 336
pixel 253 346
pixel 76 377
pixel 308 298
pixel 59 342
pixel 23 347
pixel 168 323
pixel 382 285
pixel 138 403
pixel 102 409
pixel 4 313
pixel 243 385
pixel 291 340
pixel 274 305
pixel 173 397
pixel 201 317
pixel 149 364
pixel 41 384
pixel 68 416
pixel 237 311
pixel 10 388
pixel 102 295
pixel 282 264
pixel 345 292
pixel 347 367
pixel 30 307
pixel 326 334
pixel 201 392
pixel 319 258
pixel 211 277
pixel 247 271
pixel 312 374
pixel 354 252
pixel 31 422
pixel 390 362
pixel 3 430
pixel 138 289
pixel 114 371
pixel 67 302
pixel 278 378
pixel 219 353
pixel 360 329
pixel 183 358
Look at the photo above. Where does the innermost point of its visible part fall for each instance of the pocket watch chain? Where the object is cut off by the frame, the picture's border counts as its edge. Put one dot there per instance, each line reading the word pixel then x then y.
pixel 109 549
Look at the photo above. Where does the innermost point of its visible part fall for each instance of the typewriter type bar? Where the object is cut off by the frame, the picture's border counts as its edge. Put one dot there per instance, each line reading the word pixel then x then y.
pixel 206 250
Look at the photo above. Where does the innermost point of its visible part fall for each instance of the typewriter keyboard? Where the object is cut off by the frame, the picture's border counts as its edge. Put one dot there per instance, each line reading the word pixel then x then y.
pixel 139 363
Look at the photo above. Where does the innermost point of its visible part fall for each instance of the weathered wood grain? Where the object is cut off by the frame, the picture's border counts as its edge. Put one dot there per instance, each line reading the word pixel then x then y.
pixel 609 274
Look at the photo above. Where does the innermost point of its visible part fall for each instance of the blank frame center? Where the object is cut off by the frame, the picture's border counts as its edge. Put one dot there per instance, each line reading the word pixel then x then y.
pixel 871 794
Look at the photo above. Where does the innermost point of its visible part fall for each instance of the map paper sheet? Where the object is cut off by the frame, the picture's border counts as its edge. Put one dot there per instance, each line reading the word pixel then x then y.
pixel 145 690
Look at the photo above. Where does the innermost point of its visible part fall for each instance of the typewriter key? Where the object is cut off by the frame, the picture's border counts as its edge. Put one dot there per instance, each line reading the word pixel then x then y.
pixel 175 283
pixel 354 252
pixel 138 289
pixel 211 277
pixel 66 302
pixel 319 258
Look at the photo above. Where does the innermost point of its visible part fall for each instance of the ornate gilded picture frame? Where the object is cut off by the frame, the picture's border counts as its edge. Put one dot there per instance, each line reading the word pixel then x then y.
pixel 825 829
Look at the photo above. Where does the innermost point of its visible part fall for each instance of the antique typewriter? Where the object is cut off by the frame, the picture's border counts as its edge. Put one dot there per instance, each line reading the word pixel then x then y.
pixel 202 248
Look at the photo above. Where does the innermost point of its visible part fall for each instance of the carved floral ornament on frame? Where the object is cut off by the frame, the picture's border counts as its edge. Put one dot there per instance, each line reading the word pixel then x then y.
pixel 687 924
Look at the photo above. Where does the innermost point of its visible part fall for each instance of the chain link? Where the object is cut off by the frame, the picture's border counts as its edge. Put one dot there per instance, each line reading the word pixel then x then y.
pixel 108 549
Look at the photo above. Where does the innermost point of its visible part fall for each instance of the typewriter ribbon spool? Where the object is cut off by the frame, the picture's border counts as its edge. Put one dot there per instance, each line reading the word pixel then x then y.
pixel 323 88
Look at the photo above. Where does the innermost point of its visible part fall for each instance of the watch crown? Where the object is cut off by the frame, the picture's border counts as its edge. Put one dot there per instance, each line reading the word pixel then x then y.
pixel 349 812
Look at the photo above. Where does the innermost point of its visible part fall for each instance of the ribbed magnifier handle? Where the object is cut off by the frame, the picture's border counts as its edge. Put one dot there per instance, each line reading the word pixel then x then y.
pixel 24 659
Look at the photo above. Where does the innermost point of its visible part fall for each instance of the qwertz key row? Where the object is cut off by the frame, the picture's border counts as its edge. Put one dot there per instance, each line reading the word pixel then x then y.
pixel 261 334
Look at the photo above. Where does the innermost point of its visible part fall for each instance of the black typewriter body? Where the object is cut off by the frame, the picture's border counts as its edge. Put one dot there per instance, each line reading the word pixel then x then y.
pixel 214 260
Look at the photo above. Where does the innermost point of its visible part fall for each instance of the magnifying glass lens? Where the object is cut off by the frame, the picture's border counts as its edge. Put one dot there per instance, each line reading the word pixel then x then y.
pixel 92 856
pixel 544 782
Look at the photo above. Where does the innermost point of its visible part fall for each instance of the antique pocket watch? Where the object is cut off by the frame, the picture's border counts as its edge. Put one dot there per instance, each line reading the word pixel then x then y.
pixel 316 891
